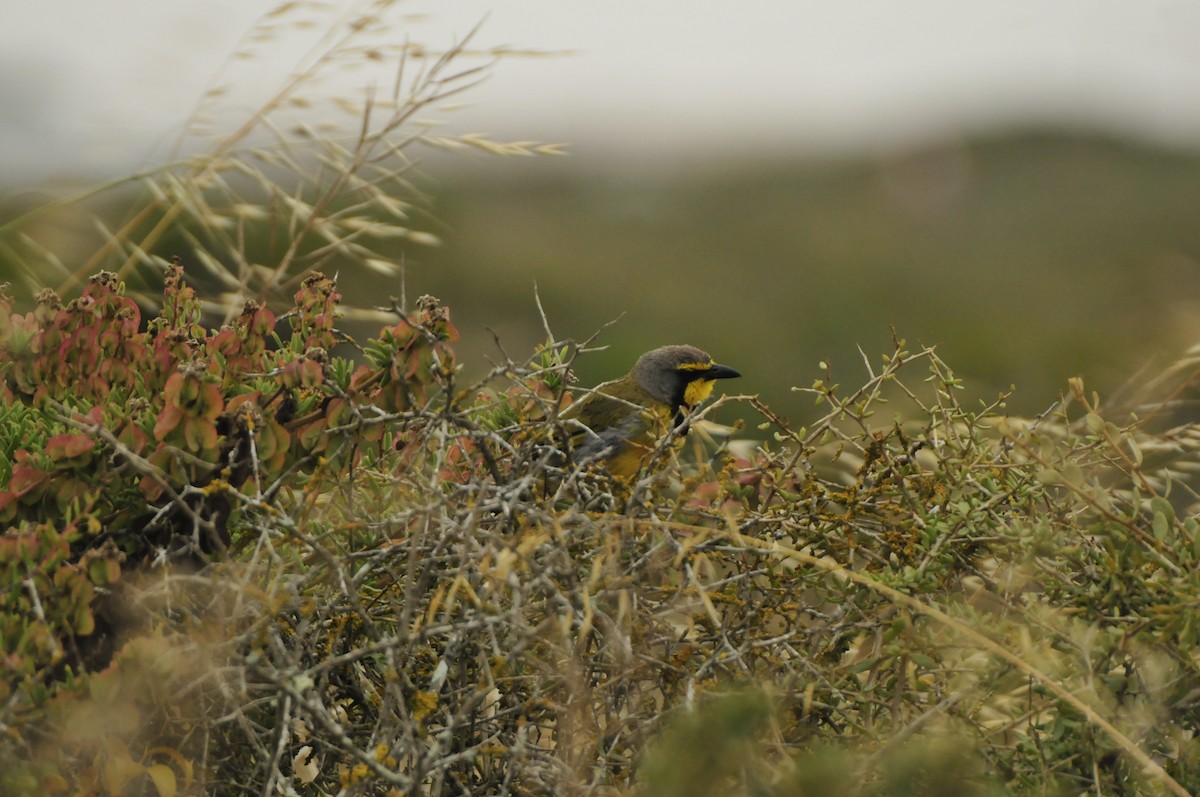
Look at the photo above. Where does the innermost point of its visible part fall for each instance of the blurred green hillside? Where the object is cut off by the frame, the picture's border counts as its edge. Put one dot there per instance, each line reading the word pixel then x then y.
pixel 1025 258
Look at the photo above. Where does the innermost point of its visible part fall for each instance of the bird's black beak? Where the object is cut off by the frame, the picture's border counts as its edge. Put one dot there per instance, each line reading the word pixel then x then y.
pixel 721 372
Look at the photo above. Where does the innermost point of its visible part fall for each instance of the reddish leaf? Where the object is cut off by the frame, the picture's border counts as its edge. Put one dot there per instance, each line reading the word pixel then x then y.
pixel 69 446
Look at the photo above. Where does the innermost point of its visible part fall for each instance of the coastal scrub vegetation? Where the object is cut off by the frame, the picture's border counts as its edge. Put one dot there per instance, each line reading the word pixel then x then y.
pixel 237 563
pixel 245 553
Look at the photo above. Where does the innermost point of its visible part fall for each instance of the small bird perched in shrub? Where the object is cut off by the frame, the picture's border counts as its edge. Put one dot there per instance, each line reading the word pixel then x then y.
pixel 627 417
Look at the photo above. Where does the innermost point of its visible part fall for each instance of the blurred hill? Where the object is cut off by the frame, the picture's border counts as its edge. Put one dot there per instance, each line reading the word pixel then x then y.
pixel 1026 258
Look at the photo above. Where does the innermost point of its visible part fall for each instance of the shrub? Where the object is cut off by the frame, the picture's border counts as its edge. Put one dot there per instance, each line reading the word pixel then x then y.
pixel 238 563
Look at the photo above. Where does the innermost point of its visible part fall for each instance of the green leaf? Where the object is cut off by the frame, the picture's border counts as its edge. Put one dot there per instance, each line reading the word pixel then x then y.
pixel 1160 525
pixel 865 664
pixel 1160 505
pixel 84 623
pixel 1049 476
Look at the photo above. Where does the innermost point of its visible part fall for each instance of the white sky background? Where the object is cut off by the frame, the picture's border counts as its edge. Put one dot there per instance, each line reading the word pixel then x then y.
pixel 89 87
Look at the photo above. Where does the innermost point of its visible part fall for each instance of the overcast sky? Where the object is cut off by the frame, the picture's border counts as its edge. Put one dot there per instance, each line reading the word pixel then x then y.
pixel 92 86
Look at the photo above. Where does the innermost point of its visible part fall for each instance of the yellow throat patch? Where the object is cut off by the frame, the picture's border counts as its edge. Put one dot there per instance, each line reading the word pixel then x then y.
pixel 697 391
pixel 700 389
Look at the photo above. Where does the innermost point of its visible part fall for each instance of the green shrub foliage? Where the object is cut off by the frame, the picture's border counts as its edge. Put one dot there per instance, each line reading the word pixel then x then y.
pixel 245 561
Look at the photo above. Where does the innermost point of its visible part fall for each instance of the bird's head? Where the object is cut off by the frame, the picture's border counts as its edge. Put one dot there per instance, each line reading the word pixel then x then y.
pixel 680 376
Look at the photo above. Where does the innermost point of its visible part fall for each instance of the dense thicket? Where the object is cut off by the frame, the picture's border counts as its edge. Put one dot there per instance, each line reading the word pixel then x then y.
pixel 237 563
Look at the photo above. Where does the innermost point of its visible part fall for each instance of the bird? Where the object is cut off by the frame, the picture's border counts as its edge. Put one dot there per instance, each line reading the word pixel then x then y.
pixel 626 418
